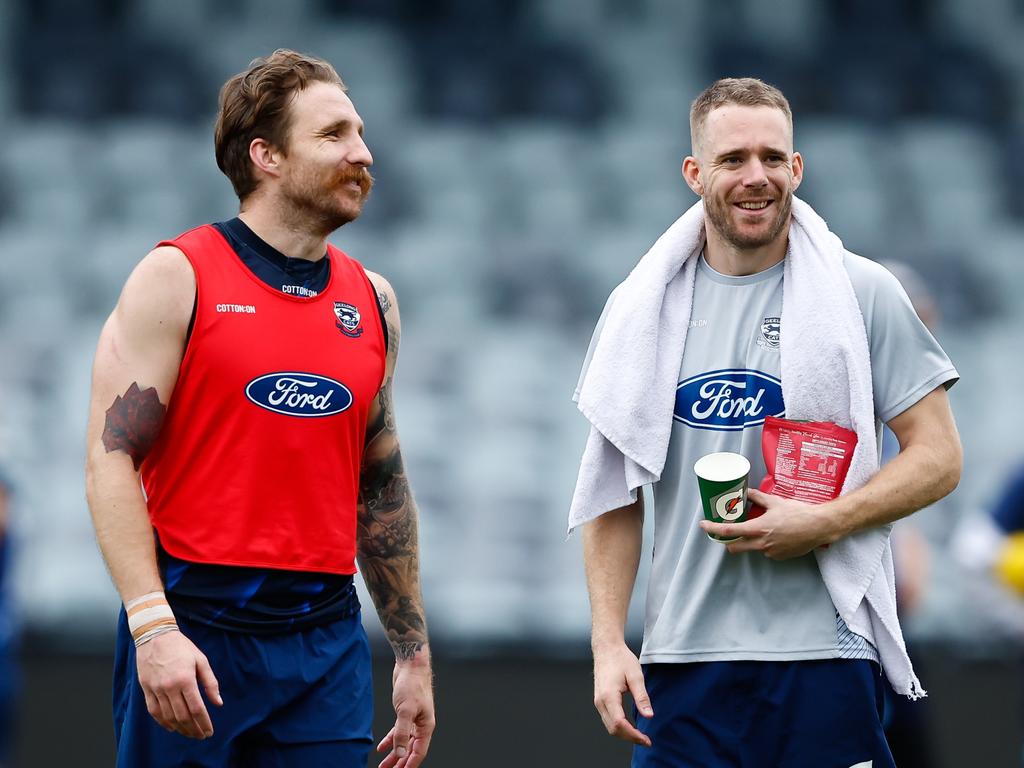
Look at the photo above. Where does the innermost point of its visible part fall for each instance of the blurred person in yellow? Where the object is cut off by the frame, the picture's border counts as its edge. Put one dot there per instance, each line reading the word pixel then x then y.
pixel 243 456
pixel 1007 537
pixel 1009 566
pixel 769 650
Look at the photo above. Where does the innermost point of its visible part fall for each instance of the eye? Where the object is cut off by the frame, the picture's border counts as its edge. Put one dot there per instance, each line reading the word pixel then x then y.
pixel 733 161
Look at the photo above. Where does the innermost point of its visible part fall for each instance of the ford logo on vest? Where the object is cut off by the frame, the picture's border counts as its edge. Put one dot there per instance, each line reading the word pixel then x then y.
pixel 730 399
pixel 299 394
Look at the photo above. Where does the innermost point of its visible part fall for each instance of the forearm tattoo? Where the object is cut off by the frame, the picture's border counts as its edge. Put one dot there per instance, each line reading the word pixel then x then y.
pixel 387 531
pixel 133 422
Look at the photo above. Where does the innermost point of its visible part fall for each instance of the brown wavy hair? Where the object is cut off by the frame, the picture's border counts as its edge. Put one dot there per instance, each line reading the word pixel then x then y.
pixel 254 104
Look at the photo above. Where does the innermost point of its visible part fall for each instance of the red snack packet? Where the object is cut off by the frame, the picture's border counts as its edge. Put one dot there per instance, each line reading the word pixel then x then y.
pixel 806 460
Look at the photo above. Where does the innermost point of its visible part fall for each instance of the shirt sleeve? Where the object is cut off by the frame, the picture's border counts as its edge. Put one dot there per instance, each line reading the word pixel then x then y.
pixel 906 361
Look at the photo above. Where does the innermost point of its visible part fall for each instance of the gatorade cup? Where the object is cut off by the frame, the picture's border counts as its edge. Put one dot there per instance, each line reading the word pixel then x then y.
pixel 722 479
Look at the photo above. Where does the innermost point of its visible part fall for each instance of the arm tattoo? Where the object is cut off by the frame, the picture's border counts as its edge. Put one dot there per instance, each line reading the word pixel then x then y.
pixel 133 422
pixel 387 535
pixel 385 302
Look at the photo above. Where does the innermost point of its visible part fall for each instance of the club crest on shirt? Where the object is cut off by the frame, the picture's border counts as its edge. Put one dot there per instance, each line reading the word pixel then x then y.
pixel 771 332
pixel 348 319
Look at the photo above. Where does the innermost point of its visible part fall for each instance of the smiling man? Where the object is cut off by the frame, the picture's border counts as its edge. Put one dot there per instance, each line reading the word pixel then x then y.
pixel 243 455
pixel 747 659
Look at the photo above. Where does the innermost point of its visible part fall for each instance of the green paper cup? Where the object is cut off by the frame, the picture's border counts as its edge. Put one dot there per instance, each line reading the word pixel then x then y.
pixel 722 479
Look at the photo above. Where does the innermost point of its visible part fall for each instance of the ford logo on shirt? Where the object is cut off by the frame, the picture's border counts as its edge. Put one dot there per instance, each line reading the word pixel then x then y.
pixel 730 399
pixel 299 394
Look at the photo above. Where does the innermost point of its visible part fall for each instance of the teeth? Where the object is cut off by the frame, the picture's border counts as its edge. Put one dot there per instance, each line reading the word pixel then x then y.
pixel 755 206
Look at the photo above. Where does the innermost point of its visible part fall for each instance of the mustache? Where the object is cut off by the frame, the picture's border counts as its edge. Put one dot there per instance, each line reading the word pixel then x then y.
pixel 359 175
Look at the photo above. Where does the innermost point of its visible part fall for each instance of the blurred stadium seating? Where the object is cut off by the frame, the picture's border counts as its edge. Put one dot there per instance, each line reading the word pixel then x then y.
pixel 527 154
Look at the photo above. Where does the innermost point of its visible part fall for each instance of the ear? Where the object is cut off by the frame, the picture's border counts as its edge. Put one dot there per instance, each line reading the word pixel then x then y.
pixel 265 157
pixel 798 169
pixel 692 175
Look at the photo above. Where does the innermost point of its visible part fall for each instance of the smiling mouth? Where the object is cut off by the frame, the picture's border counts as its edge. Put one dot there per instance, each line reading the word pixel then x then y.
pixel 753 205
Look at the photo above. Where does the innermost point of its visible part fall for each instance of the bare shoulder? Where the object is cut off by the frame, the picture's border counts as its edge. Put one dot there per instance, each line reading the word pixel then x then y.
pixel 385 293
pixel 143 341
pixel 160 289
pixel 389 305
pixel 164 270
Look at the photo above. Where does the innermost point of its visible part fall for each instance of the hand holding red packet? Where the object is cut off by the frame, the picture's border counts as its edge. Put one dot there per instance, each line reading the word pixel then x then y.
pixel 806 460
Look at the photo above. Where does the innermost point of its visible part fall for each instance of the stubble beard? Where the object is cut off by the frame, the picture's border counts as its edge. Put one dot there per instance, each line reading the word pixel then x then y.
pixel 719 214
pixel 312 204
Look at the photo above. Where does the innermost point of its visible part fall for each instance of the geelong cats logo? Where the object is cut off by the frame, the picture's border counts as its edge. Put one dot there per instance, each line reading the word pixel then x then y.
pixel 348 319
pixel 771 331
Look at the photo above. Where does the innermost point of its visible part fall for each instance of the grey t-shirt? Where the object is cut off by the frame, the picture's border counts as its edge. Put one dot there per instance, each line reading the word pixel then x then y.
pixel 704 604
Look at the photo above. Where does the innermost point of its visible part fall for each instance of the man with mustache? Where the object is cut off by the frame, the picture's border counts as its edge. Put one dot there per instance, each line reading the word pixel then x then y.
pixel 245 379
pixel 746 659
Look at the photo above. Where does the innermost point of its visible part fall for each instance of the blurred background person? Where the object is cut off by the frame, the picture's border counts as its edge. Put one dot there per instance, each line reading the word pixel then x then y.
pixel 509 139
pixel 9 682
pixel 905 721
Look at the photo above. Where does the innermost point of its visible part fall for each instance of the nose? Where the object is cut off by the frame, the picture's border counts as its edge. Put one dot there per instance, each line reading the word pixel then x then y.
pixel 359 153
pixel 755 175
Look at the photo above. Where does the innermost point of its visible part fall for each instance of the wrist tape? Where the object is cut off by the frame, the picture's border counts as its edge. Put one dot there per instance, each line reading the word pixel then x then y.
pixel 149 616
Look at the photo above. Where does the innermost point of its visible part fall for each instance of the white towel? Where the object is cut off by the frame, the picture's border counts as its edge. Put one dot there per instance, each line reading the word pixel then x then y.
pixel 628 392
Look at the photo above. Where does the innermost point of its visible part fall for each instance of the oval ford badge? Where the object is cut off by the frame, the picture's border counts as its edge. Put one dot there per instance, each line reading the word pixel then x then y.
pixel 730 399
pixel 299 394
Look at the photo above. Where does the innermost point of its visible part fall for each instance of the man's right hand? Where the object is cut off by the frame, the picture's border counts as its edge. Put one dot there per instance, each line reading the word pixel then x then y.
pixel 617 670
pixel 171 669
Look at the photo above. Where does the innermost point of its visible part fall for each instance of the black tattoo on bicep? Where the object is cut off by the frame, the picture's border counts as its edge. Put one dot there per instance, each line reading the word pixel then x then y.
pixel 133 422
pixel 385 302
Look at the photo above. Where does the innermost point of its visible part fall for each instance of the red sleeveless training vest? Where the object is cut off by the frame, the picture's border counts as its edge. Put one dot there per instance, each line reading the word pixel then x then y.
pixel 257 463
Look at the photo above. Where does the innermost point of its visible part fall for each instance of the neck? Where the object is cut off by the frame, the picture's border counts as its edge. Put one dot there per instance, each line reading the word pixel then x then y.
pixel 728 259
pixel 291 240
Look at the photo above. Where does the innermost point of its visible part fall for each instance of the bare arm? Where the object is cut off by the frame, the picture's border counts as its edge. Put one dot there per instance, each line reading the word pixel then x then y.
pixel 926 469
pixel 388 554
pixel 611 555
pixel 136 367
pixel 134 373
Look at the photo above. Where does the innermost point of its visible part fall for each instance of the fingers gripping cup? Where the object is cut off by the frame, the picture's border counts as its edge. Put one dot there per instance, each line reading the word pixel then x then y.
pixel 722 480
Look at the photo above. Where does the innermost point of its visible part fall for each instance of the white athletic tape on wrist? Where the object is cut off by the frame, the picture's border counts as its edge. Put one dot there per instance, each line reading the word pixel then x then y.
pixel 149 616
pixel 155 596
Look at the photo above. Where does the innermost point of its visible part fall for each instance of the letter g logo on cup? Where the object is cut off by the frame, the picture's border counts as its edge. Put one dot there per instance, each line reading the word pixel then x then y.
pixel 306 395
pixel 729 506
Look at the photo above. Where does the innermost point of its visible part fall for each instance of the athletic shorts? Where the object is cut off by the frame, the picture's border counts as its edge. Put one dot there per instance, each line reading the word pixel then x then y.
pixel 291 700
pixel 764 714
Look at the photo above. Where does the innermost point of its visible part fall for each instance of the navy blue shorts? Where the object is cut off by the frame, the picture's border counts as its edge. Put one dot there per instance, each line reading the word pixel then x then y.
pixel 291 700
pixel 765 714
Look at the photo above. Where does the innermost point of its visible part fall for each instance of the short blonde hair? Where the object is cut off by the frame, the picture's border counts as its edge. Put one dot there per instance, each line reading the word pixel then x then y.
pixel 744 91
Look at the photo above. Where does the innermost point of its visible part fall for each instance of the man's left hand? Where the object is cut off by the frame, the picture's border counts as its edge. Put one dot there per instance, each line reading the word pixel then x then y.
pixel 413 697
pixel 787 528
